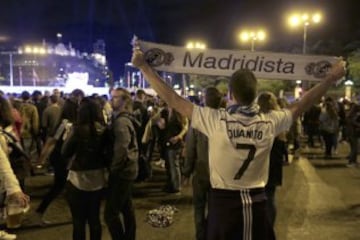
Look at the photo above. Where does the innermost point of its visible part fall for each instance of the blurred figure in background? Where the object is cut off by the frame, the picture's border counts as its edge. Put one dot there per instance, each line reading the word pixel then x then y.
pixel 31 124
pixel 353 127
pixel 173 127
pixel 86 178
pixel 329 127
pixel 197 165
pixel 267 103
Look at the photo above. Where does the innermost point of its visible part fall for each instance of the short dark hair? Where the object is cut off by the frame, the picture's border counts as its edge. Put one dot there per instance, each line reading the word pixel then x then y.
pixel 77 93
pixel 36 93
pixel 243 86
pixel 54 98
pixel 213 97
pixel 140 92
pixel 25 95
pixel 89 111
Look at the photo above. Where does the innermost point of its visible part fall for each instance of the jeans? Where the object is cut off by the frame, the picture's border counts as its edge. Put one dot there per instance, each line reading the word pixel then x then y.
pixel 200 197
pixel 270 203
pixel 353 148
pixel 85 209
pixel 172 165
pixel 329 142
pixel 119 201
pixel 60 175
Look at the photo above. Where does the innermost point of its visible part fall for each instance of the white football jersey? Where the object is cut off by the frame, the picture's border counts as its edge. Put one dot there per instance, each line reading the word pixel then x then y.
pixel 239 145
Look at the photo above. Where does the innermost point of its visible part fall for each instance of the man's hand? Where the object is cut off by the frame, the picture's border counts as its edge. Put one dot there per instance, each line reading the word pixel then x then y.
pixel 137 59
pixel 19 197
pixel 175 139
pixel 337 71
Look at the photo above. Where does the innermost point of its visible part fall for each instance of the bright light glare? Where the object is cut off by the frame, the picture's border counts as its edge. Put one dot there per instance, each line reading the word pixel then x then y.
pixel 349 83
pixel 195 45
pixel 316 18
pixel 36 50
pixel 261 35
pixel 42 51
pixel 28 49
pixel 305 17
pixel 190 45
pixel 244 36
pixel 294 20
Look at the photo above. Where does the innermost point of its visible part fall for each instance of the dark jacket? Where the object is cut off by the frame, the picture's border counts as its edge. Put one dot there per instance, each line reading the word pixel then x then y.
pixel 86 148
pixel 172 128
pixel 277 155
pixel 197 155
pixel 125 158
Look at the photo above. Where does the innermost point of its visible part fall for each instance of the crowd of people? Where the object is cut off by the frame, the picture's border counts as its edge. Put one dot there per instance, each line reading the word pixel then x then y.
pixel 233 147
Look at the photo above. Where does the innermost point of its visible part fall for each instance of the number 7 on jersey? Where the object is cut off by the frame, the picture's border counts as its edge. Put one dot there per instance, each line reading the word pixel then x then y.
pixel 252 149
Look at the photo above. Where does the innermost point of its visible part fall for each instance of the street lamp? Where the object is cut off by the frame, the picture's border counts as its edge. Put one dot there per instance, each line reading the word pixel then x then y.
pixel 304 20
pixel 348 85
pixel 11 64
pixel 195 45
pixel 191 45
pixel 252 36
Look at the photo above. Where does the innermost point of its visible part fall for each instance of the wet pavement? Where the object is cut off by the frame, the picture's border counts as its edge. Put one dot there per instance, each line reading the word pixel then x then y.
pixel 319 199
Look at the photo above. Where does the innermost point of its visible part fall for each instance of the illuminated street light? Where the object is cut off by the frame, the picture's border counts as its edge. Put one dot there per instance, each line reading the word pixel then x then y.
pixel 191 45
pixel 304 20
pixel 195 45
pixel 252 36
pixel 348 85
pixel 59 36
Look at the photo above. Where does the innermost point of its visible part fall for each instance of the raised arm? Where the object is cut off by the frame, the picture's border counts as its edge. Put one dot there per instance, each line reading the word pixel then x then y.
pixel 168 94
pixel 315 93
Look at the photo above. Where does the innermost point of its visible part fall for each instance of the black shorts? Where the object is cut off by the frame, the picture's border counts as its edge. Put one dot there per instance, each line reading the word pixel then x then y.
pixel 238 215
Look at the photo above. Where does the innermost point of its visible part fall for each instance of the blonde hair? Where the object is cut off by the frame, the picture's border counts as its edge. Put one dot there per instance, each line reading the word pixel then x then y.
pixel 267 101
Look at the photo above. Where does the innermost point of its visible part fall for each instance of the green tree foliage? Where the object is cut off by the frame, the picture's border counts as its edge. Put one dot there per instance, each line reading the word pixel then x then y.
pixel 354 66
pixel 201 82
pixel 274 85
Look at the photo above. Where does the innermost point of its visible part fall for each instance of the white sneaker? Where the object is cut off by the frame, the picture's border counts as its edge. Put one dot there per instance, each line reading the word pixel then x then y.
pixel 6 236
pixel 351 165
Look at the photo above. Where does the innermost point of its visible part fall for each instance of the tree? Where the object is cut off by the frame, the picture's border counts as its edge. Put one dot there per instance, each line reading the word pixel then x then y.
pixel 201 82
pixel 354 67
pixel 274 85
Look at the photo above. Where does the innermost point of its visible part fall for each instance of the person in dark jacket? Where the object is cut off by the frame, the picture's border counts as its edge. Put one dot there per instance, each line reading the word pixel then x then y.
pixel 197 164
pixel 172 129
pixel 353 127
pixel 52 152
pixel 86 178
pixel 123 169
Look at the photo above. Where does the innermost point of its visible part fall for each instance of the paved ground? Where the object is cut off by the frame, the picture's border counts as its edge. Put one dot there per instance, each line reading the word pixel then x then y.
pixel 319 199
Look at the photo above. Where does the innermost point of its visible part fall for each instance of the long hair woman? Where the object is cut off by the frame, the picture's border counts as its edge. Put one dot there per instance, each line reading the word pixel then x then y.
pixel 86 178
pixel 268 102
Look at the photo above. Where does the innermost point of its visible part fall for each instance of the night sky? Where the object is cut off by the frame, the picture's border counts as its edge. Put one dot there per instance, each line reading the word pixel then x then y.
pixel 171 21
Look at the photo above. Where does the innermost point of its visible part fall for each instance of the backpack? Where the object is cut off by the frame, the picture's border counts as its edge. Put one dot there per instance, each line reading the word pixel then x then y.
pixel 17 155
